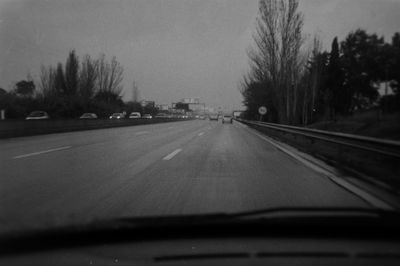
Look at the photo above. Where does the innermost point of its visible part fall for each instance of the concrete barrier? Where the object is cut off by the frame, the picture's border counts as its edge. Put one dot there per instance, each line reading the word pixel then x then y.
pixel 20 128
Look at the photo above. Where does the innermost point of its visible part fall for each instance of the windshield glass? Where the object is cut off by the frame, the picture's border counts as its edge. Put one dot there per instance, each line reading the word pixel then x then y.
pixel 242 105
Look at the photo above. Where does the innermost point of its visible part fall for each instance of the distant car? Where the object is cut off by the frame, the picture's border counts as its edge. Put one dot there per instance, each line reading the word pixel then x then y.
pixel 135 115
pixel 117 116
pixel 227 119
pixel 161 115
pixel 202 117
pixel 147 116
pixel 37 115
pixel 88 116
pixel 213 117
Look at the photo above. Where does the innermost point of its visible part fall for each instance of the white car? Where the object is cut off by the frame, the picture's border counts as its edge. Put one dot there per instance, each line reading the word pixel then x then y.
pixel 37 115
pixel 227 119
pixel 117 116
pixel 135 115
pixel 147 116
pixel 88 116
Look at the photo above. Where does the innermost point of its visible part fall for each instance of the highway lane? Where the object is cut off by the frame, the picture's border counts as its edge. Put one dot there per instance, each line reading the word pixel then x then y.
pixel 172 168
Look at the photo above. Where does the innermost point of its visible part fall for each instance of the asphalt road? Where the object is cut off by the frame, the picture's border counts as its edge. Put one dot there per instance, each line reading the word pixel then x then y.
pixel 173 168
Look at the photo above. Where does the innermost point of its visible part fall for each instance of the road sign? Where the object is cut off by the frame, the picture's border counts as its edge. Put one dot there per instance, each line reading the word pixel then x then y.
pixel 262 110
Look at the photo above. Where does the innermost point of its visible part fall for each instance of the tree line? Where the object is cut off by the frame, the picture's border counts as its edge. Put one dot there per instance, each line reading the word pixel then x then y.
pixel 70 89
pixel 301 86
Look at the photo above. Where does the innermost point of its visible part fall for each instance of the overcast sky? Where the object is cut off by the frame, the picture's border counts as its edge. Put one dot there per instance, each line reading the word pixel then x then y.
pixel 173 48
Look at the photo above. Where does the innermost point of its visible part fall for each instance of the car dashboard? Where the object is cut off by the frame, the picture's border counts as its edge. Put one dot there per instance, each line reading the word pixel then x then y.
pixel 220 251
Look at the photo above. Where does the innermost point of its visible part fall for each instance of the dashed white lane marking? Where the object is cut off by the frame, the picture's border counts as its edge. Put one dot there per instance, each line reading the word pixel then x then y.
pixel 41 152
pixel 142 132
pixel 201 134
pixel 172 154
pixel 170 127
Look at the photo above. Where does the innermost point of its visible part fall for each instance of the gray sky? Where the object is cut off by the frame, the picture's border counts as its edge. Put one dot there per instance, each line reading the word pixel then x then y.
pixel 172 48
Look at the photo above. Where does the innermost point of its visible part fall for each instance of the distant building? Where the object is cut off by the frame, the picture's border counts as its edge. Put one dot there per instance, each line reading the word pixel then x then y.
pixel 163 107
pixel 191 100
pixel 145 103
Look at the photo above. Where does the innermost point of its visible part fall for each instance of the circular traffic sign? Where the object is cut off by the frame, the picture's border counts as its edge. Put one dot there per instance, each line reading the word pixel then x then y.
pixel 262 110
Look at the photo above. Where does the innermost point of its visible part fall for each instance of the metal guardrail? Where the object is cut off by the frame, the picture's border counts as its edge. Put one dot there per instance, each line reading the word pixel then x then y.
pixel 371 156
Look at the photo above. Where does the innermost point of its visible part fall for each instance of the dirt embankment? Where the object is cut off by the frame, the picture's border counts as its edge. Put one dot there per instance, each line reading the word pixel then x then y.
pixel 369 123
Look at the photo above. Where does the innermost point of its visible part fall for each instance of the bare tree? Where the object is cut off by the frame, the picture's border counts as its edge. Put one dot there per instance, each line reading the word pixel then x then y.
pixel 109 75
pixel 275 57
pixel 88 77
pixel 47 81
pixel 116 76
pixel 71 74
pixel 59 82
pixel 311 92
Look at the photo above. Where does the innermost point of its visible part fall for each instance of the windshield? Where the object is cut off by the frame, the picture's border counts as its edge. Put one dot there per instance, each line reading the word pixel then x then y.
pixel 246 105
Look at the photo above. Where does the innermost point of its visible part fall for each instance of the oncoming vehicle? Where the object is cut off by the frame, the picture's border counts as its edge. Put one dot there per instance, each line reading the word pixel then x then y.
pixel 37 115
pixel 135 115
pixel 88 116
pixel 227 119
pixel 117 116
pixel 213 117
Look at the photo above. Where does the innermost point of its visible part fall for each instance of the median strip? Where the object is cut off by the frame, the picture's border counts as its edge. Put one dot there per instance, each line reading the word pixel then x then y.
pixel 41 152
pixel 172 154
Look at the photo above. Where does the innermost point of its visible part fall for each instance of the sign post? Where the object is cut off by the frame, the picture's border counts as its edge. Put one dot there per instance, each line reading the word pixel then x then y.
pixel 262 111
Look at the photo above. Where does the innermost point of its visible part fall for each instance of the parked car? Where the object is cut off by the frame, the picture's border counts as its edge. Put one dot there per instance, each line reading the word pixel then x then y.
pixel 227 119
pixel 37 115
pixel 135 115
pixel 147 116
pixel 117 116
pixel 88 116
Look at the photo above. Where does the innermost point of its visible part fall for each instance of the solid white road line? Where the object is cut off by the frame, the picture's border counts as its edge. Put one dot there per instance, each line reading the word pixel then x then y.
pixel 201 134
pixel 142 132
pixel 172 154
pixel 41 152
